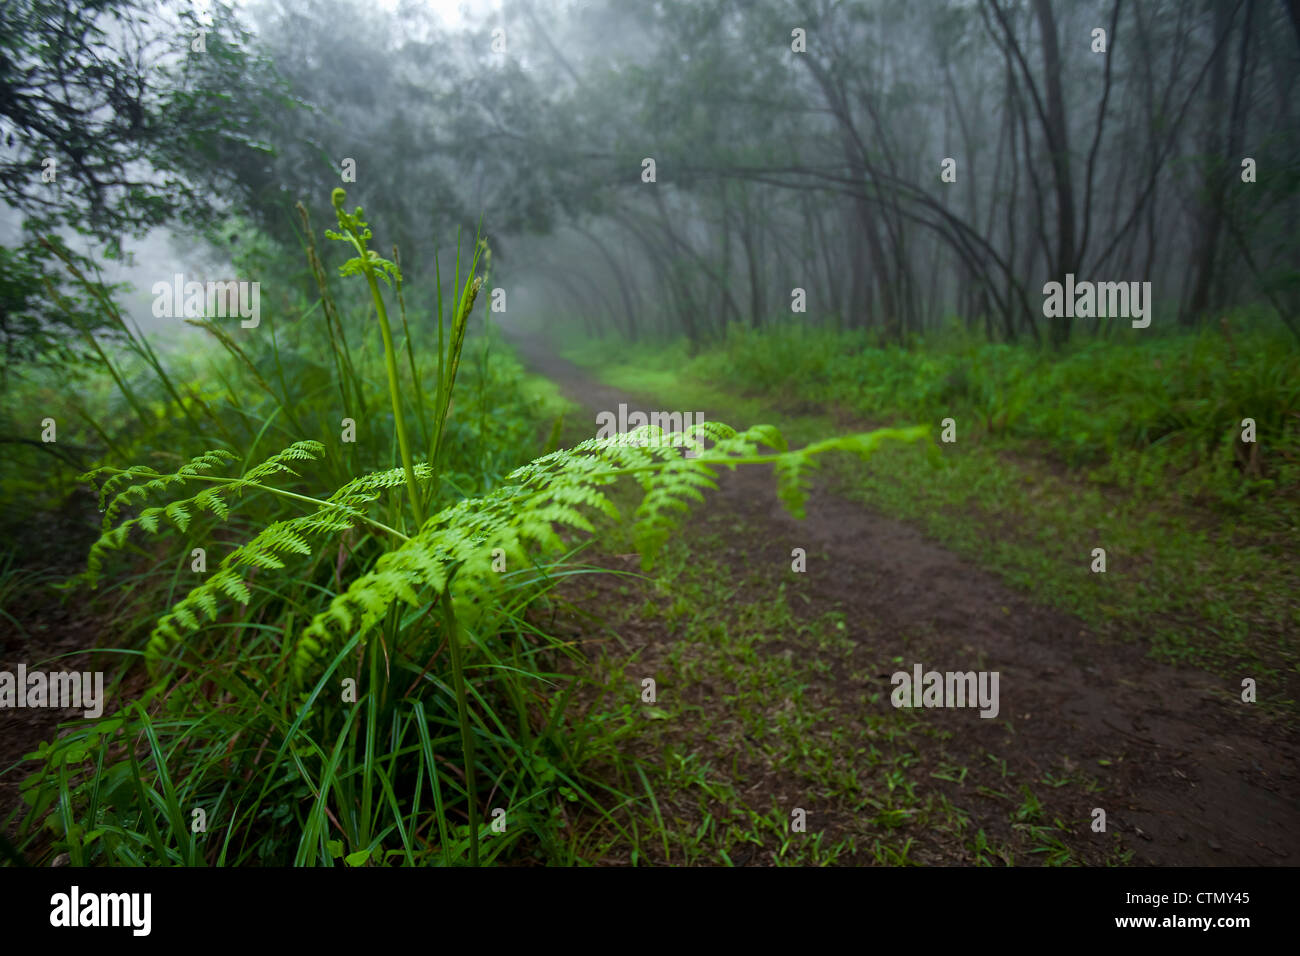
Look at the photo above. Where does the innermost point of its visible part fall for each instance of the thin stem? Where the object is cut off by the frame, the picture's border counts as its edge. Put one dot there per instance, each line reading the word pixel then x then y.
pixel 462 714
pixel 360 516
pixel 399 422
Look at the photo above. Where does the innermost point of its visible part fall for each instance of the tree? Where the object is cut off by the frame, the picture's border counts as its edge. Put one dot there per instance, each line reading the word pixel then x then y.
pixel 108 115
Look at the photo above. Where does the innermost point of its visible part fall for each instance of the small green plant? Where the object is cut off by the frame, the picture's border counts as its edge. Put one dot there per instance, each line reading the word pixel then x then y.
pixel 248 658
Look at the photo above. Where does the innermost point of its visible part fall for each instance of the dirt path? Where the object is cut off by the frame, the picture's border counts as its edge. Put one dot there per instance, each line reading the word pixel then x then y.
pixel 57 634
pixel 1192 776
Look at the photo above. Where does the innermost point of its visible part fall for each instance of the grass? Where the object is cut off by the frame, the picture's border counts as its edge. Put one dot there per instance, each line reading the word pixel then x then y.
pixel 750 725
pixel 348 676
pixel 217 757
pixel 1200 553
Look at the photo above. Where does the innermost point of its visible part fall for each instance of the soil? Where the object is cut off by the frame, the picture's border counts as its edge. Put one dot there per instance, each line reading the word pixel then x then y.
pixel 1193 776
pixel 52 625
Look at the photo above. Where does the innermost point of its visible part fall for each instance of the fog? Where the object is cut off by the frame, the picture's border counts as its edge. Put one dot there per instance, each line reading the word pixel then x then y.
pixel 678 168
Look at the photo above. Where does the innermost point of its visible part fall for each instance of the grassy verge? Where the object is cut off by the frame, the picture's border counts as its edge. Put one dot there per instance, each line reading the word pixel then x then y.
pixel 232 746
pixel 1200 568
pixel 763 709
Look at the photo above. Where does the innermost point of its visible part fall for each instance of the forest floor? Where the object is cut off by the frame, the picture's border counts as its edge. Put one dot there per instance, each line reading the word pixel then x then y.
pixel 773 694
pixel 51 634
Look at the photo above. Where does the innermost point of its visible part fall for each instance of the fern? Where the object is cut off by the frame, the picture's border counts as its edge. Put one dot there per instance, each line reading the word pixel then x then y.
pixel 179 512
pixel 562 489
pixel 557 492
pixel 345 509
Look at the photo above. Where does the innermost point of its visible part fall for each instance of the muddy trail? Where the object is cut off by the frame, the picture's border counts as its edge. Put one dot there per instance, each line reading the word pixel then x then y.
pixel 1192 776
pixel 46 628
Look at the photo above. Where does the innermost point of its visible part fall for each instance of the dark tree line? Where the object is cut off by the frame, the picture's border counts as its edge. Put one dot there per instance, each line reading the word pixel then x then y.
pixel 900 163
pixel 822 170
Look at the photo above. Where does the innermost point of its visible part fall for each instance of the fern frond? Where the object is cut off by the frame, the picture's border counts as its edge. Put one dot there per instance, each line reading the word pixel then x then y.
pixel 114 538
pixel 529 513
pixel 159 482
pixel 344 510
pixel 560 491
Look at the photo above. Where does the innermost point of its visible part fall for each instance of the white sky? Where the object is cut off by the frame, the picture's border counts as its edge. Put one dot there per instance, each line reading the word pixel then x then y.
pixel 452 12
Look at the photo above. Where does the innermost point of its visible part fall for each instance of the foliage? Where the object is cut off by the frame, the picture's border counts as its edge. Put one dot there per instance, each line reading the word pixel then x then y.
pixel 42 320
pixel 249 716
pixel 1137 412
pixel 110 92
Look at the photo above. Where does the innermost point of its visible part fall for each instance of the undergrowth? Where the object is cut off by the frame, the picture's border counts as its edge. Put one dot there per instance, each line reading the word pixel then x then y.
pixel 1142 412
pixel 337 664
